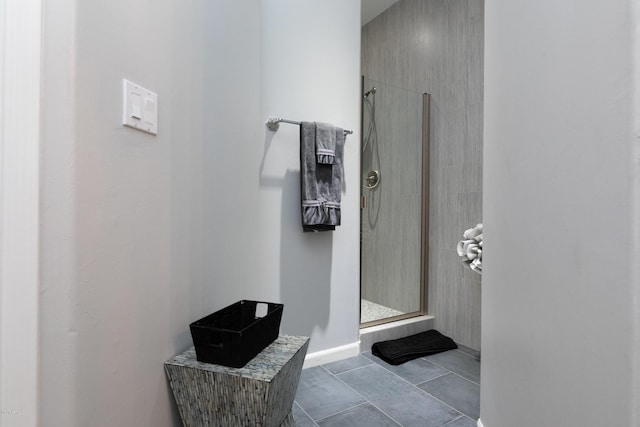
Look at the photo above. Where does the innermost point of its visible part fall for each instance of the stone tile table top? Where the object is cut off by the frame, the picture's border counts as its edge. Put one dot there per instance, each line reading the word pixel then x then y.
pixel 263 367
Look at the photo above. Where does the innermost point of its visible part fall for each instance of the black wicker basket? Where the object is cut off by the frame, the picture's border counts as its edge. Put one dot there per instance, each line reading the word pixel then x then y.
pixel 235 335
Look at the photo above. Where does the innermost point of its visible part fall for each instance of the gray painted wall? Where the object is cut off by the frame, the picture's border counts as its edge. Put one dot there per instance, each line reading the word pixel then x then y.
pixel 142 235
pixel 560 287
pixel 436 46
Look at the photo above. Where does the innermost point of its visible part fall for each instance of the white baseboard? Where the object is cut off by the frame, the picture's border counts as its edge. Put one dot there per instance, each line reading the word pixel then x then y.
pixel 331 355
pixel 480 423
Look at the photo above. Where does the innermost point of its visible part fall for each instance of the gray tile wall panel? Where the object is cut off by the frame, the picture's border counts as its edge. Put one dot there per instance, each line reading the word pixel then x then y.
pixel 436 46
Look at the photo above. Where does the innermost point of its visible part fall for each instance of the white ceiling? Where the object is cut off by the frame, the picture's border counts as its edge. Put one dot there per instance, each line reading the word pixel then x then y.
pixel 372 8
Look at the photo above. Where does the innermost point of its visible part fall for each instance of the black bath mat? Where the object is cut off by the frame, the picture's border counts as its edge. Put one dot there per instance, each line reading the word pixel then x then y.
pixel 408 348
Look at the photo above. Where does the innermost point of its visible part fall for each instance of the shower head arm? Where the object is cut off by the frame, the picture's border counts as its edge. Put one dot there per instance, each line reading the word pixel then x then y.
pixel 370 91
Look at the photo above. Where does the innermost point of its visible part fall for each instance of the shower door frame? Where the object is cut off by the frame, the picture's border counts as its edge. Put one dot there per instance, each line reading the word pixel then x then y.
pixel 424 232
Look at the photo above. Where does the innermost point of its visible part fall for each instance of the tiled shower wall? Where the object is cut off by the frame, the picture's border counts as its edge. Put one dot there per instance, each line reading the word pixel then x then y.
pixel 436 46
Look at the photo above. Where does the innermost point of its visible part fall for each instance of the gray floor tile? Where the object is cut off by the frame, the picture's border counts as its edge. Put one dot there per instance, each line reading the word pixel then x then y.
pixel 301 418
pixel 460 363
pixel 397 398
pixel 453 390
pixel 415 371
pixel 469 351
pixel 347 364
pixel 462 422
pixel 364 415
pixel 320 394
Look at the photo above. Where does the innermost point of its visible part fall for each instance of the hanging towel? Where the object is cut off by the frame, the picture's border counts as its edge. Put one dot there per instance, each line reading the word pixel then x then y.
pixel 326 138
pixel 320 184
pixel 408 348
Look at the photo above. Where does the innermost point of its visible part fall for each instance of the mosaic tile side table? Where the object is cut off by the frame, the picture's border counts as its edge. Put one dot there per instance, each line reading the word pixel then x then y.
pixel 259 394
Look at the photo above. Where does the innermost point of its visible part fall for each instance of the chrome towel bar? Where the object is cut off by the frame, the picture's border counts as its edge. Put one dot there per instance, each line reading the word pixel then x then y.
pixel 273 123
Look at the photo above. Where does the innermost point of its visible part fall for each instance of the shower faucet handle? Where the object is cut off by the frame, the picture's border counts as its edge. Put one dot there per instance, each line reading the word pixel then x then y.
pixel 372 179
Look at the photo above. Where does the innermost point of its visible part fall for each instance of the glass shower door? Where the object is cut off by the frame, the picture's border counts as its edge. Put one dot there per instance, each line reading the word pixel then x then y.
pixel 393 192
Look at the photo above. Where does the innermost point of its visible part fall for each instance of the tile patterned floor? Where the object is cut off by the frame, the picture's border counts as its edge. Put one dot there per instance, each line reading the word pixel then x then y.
pixel 371 311
pixel 433 391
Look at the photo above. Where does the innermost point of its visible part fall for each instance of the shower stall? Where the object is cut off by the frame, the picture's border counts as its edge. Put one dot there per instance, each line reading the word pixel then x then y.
pixel 394 202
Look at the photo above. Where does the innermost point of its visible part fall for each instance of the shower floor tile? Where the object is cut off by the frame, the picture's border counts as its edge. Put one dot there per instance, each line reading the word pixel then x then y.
pixel 366 391
pixel 370 311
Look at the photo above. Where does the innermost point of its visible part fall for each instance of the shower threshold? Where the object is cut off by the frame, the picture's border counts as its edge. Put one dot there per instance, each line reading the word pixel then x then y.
pixel 393 330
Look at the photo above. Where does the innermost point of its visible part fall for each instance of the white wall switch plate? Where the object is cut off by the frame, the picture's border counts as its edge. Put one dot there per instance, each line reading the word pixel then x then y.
pixel 139 108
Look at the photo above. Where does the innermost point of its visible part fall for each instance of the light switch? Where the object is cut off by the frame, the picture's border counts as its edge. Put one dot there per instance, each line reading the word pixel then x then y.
pixel 136 104
pixel 150 112
pixel 140 108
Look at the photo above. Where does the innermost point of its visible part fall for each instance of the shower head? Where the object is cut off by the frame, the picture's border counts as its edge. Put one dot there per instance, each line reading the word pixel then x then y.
pixel 369 92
